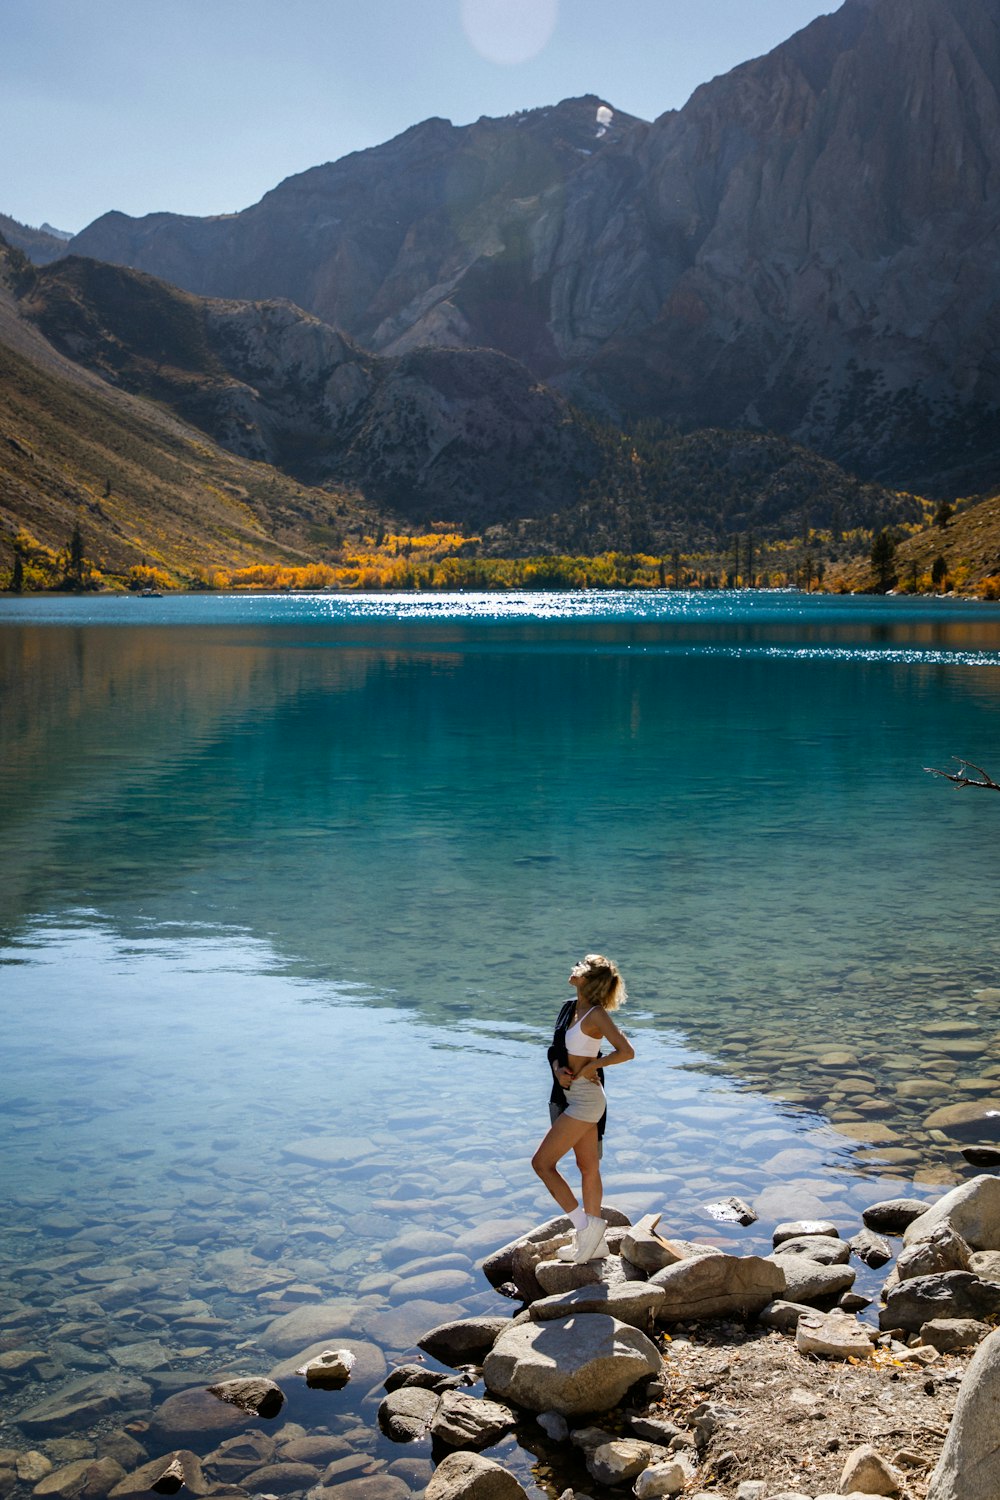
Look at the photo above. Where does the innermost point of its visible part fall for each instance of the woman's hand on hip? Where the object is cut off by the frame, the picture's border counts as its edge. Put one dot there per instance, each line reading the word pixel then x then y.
pixel 564 1077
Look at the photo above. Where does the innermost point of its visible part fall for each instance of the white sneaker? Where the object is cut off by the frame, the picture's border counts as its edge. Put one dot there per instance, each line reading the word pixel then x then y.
pixel 568 1252
pixel 590 1242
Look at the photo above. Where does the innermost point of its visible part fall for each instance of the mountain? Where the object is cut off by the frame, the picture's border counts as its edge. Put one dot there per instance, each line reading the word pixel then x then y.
pixel 467 437
pixel 39 245
pixel 807 247
pixel 144 487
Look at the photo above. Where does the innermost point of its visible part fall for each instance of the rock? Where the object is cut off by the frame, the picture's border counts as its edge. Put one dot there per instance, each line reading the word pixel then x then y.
pixel 416 1242
pixel 469 1476
pixel 621 1459
pixel 782 1315
pixel 122 1447
pixel 164 1475
pixel 330 1150
pixel 194 1414
pixel 986 1264
pixel 400 1327
pixel 463 1421
pixel 649 1251
pixel 731 1211
pixel 406 1413
pixel 806 1281
pixel 894 1215
pixel 32 1466
pixel 87 1478
pixel 430 1380
pixel 868 1473
pixel 974 1120
pixel 82 1403
pixel 823 1250
pixel 665 1478
pixel 264 1398
pixel 463 1340
pixel 981 1156
pixel 280 1479
pixel 367 1371
pixel 955 1294
pixel 437 1285
pixel 368 1487
pixel 329 1370
pixel 941 1250
pixel 583 1364
pixel 969 1466
pixel 312 1323
pixel 655 1429
pixel 972 1210
pixel 799 1228
pixel 498 1266
pixel 948 1334
pixel 554 1425
pixel 870 1248
pixel 314 1450
pixel 717 1286
pixel 834 1334
pixel 634 1302
pixel 555 1276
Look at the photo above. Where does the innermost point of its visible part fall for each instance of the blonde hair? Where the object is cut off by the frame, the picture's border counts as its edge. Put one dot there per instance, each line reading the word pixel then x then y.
pixel 602 984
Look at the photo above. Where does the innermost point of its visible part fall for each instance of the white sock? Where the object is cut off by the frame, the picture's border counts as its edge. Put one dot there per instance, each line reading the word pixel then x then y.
pixel 596 1219
pixel 578 1218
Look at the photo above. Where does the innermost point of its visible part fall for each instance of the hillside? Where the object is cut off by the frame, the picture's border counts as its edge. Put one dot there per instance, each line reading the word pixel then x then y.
pixel 38 245
pixel 807 247
pixel 144 487
pixel 961 555
pixel 464 437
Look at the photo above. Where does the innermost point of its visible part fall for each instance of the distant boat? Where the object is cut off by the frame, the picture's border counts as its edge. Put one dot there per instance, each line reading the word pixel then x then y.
pixel 150 594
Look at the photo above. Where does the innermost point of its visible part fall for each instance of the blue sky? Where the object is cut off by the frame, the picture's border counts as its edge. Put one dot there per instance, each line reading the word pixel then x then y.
pixel 201 106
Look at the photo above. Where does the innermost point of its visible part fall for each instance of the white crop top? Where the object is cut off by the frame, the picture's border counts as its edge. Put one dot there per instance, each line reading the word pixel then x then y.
pixel 578 1042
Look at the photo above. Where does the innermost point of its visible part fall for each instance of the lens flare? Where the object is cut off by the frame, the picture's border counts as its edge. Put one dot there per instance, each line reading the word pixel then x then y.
pixel 509 31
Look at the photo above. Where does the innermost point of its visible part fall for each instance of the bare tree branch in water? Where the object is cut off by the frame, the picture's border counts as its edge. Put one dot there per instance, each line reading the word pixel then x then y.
pixel 963 779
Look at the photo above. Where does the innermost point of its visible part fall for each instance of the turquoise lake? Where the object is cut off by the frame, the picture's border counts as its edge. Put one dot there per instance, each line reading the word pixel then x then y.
pixel 291 886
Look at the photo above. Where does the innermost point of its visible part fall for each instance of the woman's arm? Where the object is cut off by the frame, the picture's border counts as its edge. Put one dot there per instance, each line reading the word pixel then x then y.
pixel 624 1051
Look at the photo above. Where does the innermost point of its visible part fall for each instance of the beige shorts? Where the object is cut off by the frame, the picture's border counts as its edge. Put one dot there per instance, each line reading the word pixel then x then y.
pixel 587 1101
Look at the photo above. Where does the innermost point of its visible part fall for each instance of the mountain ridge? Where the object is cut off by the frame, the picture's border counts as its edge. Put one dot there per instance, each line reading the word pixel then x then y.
pixel 803 247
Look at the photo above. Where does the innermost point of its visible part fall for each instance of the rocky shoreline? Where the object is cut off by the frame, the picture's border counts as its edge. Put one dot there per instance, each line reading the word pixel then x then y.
pixel 668 1368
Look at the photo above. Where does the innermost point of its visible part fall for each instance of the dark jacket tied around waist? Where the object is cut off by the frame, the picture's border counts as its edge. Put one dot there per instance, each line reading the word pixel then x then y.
pixel 559 1057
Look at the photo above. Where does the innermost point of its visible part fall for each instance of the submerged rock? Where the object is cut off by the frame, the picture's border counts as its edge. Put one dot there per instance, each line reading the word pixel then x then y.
pixel 406 1413
pixel 264 1398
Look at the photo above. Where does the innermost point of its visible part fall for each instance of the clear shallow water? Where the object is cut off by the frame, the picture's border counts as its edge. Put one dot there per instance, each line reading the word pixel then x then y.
pixel 286 867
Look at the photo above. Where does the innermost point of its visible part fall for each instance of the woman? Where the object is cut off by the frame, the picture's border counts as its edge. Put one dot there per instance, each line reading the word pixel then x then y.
pixel 578 1104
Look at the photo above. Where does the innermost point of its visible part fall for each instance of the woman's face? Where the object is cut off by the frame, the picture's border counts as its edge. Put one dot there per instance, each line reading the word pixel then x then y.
pixel 578 973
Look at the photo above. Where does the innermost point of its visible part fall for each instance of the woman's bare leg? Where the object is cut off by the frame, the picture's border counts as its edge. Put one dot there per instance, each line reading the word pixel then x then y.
pixel 588 1159
pixel 564 1135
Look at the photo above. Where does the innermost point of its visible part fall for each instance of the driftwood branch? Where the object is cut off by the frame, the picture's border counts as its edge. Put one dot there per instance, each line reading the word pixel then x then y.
pixel 961 778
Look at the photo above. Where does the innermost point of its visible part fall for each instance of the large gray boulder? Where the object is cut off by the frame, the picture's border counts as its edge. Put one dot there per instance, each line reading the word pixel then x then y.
pixel 942 1250
pixel 807 1281
pixel 470 1476
pixel 555 1276
pixel 717 1286
pixel 969 1466
pixel 972 1210
pixel 83 1403
pixel 634 1302
pixel 581 1364
pixel 955 1294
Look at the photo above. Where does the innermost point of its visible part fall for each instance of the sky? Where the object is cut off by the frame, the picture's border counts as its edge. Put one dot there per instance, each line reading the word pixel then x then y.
pixel 202 106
